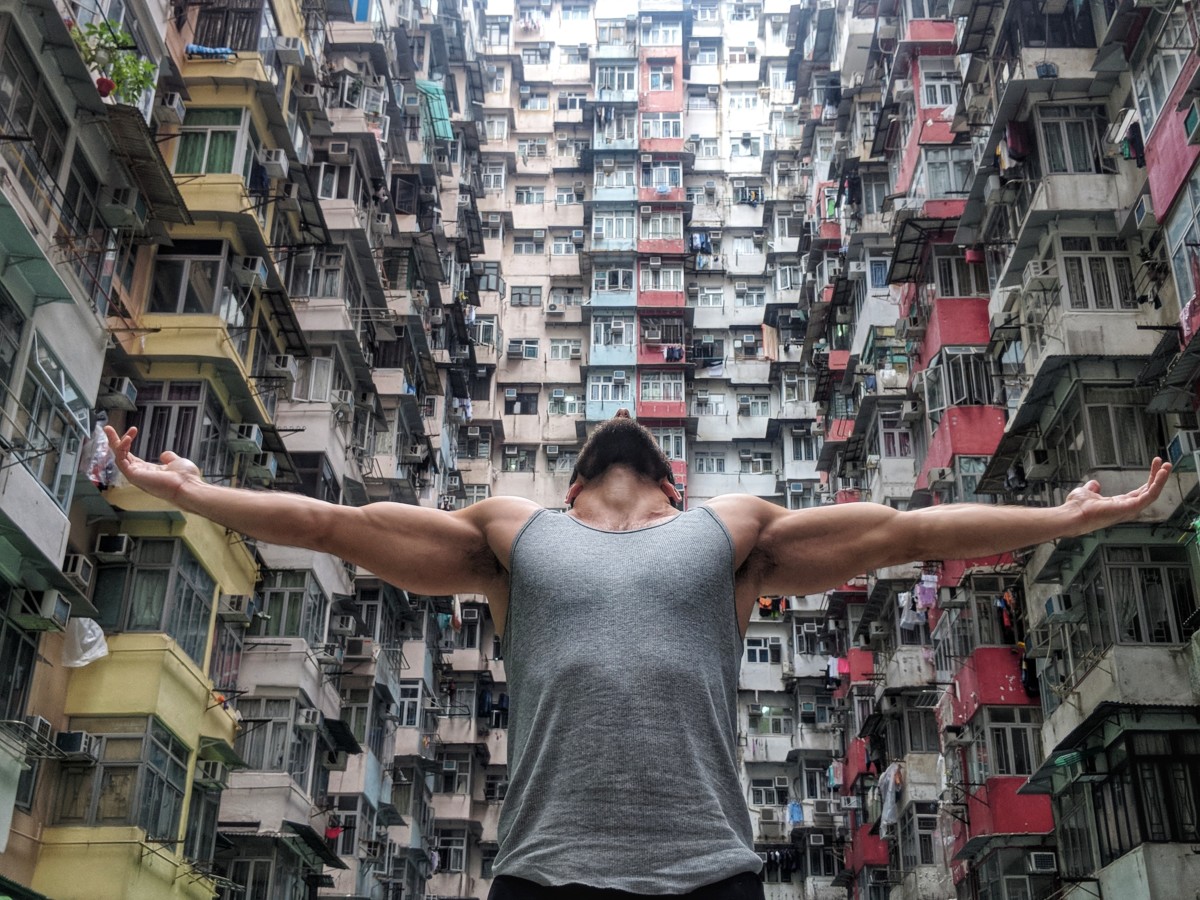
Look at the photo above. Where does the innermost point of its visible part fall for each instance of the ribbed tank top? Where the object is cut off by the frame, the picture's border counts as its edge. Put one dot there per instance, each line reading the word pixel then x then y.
pixel 622 652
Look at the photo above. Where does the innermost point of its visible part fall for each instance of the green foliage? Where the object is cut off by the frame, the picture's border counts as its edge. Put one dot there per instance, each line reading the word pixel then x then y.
pixel 106 49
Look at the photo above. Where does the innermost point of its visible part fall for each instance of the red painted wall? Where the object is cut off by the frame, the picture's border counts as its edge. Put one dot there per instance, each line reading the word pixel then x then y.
pixel 660 101
pixel 1169 157
pixel 991 676
pixel 963 431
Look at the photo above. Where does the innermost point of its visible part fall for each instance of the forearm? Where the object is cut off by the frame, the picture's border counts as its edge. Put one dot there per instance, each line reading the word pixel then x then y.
pixel 970 530
pixel 274 517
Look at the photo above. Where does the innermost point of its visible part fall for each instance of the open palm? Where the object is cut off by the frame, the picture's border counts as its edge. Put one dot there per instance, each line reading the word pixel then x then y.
pixel 162 479
pixel 1098 511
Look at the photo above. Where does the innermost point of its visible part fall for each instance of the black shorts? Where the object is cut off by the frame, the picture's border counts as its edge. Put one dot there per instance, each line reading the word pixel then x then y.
pixel 745 886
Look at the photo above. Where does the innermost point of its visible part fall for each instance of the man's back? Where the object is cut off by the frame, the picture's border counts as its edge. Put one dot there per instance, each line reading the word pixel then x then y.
pixel 622 653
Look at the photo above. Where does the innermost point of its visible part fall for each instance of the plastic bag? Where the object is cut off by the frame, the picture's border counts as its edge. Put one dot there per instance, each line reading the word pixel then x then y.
pixel 102 465
pixel 888 789
pixel 83 643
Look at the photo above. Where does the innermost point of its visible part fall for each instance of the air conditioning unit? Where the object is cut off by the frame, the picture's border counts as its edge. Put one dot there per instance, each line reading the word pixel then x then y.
pixel 342 400
pixel 655 262
pixel 852 802
pixel 283 365
pixel 308 94
pixel 338 152
pixel 170 109
pixel 118 393
pixel 274 162
pixel 1040 463
pixel 290 50
pixel 288 197
pixel 211 773
pixel 437 315
pixel 1041 862
pixel 122 207
pixel 343 625
pixel 576 353
pixel 941 476
pixel 470 614
pixel 902 88
pixel 48 611
pixel 539 233
pixel 40 727
pixel 330 655
pixel 768 814
pixel 877 630
pixel 652 336
pixel 910 410
pixel 577 236
pixel 511 450
pixel 526 90
pixel 796 487
pixel 647 157
pixel 373 849
pixel 453 482
pixel 360 648
pixel 741 287
pixel 336 760
pixel 510 393
pixel 112 547
pixel 714 90
pixel 381 223
pixel 823 488
pixel 79 571
pixel 79 747
pixel 249 270
pixel 263 467
pixel 236 608
pixel 1183 448
pixel 710 187
pixel 1143 214
pixel 310 719
pixel 552 450
pixel 245 438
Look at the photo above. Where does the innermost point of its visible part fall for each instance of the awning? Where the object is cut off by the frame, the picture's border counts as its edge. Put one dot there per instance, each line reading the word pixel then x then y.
pixel 908 259
pixel 314 842
pixel 436 106
pixel 10 890
pixel 341 736
pixel 219 750
pixel 134 145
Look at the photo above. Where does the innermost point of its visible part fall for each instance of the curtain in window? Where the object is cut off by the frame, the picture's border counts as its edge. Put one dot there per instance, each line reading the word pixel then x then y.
pixel 146 600
pixel 208 142
pixel 1125 605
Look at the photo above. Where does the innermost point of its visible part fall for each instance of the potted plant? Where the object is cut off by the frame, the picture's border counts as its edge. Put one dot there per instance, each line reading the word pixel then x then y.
pixel 110 52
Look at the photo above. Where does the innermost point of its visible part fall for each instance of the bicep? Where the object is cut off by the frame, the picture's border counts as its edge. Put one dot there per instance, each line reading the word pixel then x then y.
pixel 812 550
pixel 426 551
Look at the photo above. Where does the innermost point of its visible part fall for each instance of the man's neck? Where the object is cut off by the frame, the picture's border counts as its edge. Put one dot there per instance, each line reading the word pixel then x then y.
pixel 622 500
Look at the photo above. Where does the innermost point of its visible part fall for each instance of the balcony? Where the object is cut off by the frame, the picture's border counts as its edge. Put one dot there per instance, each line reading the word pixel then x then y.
pixel 661 194
pixel 613 355
pixel 661 299
pixel 661 409
pixel 657 353
pixel 661 246
pixel 625 193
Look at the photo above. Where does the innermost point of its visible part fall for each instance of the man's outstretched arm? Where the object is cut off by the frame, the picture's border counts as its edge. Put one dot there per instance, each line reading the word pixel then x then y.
pixel 423 550
pixel 806 551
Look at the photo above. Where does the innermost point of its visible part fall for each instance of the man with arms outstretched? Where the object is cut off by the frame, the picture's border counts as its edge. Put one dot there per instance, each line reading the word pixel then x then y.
pixel 622 623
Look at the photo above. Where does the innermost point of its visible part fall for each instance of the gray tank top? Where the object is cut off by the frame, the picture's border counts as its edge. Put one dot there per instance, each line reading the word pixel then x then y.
pixel 622 653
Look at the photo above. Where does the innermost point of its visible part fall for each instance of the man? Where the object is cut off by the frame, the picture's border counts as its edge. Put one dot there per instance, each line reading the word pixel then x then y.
pixel 622 623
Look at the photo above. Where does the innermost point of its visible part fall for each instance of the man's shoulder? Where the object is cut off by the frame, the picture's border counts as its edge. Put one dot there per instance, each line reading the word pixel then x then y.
pixel 502 510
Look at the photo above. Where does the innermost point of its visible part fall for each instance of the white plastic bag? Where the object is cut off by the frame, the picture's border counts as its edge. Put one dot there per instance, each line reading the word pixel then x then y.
pixel 83 643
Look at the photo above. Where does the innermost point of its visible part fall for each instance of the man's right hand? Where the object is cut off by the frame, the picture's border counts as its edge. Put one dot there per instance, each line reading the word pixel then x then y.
pixel 164 479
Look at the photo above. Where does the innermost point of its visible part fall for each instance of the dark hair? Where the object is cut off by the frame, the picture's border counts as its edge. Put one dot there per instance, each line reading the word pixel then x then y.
pixel 622 441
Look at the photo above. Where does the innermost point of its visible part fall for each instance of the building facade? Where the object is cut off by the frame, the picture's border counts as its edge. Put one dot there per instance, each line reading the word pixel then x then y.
pixel 833 251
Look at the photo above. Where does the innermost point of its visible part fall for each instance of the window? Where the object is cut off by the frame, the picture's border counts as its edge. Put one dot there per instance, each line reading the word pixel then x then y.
pixel 616 78
pixel 532 147
pixel 315 274
pixel 708 462
pixel 771 720
pixel 575 12
pixel 563 463
pixel 495 785
pixel 661 278
pixel 478 447
pixel 708 148
pixel 566 296
pixel 939 81
pixel 571 100
pixel 879 269
pixel 662 175
pixel 526 295
pixel 523 403
pixel 613 225
pixel 711 297
pixel 566 196
pixel 1151 596
pixel 604 389
pixel 535 55
pixel 764 650
pixel 710 404
pixel 805 447
pixel 18 648
pixel 663 226
pixel 917 826
pixel 50 421
pixel 661 34
pixel 948 170
pixel 565 348
pixel 476 492
pixel 706 10
pixel 709 54
pixel 496 30
pixel 520 459
pixel 1159 69
pixel 744 12
pixel 742 99
pixel 958 376
pixel 745 147
pixel 295 605
pixel 764 792
pixel 1183 237
pixel 613 330
pixel 956 278
pixel 212 143
pixel 895 436
pixel 661 125
pixel 496 127
pixel 1097 273
pixel 162 589
pixel 1013 740
pixel 661 76
pixel 569 404
pixel 493 176
pixel 755 462
pixel 563 245
pixel 1071 139
pixel 662 386
pixel 527 245
pixel 523 348
pixel 140 779
pixel 921 731
pixel 452 849
pixel 612 280
pixel 751 297
pixel 535 101
pixel 529 194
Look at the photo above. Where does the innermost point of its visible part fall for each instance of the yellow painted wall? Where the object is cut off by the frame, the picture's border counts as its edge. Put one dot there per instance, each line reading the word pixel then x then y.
pixel 113 864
